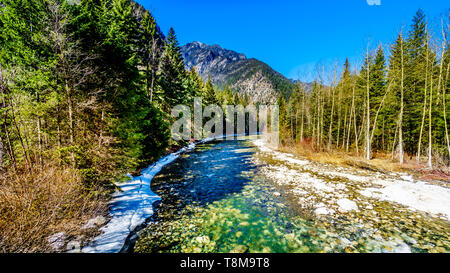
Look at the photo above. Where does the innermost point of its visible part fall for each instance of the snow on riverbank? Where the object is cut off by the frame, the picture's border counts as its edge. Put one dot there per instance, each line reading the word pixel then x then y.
pixel 133 205
pixel 398 188
pixel 417 195
pixel 130 207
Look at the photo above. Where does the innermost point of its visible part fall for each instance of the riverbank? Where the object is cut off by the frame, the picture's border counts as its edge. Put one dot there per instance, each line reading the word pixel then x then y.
pixel 49 208
pixel 132 205
pixel 396 202
pixel 380 162
pixel 289 204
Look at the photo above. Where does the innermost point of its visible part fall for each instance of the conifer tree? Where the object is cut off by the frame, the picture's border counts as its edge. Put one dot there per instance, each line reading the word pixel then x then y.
pixel 415 80
pixel 397 69
pixel 209 93
pixel 172 73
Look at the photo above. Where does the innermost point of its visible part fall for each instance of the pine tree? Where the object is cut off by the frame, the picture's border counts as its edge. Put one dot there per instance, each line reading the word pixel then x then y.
pixel 149 53
pixel 415 81
pixel 172 74
pixel 195 86
pixel 209 93
pixel 377 94
pixel 283 120
pixel 365 83
pixel 397 69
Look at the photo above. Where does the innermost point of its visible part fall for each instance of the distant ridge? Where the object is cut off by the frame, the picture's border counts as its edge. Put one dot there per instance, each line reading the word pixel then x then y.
pixel 227 67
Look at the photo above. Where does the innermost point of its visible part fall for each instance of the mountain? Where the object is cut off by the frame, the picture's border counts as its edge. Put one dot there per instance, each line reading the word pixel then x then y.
pixel 227 67
pixel 307 86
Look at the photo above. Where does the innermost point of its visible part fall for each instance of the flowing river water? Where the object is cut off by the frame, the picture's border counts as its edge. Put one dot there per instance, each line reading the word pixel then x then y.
pixel 232 196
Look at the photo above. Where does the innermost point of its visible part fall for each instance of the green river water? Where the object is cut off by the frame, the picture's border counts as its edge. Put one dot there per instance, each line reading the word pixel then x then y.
pixel 216 199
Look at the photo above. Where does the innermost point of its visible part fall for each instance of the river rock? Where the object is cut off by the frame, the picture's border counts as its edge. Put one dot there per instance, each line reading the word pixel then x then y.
pixel 345 242
pixel 57 240
pixel 323 211
pixel 240 249
pixel 94 222
pixel 346 205
pixel 276 194
pixel 203 239
pixel 74 246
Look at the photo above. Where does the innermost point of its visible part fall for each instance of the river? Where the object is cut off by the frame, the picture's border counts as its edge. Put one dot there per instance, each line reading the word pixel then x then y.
pixel 235 196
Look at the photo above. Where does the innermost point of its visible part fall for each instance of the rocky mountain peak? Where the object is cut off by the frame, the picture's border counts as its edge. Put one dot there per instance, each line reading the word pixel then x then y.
pixel 228 67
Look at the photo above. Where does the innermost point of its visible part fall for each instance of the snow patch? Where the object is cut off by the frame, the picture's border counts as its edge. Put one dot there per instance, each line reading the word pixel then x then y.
pixel 130 207
pixel 346 205
pixel 321 209
pixel 417 195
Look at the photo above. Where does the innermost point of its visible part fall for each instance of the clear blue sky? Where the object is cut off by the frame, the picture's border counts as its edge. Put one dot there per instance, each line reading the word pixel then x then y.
pixel 292 36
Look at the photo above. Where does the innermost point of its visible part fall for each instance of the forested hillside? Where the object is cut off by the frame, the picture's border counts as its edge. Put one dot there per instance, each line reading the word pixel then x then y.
pixel 396 103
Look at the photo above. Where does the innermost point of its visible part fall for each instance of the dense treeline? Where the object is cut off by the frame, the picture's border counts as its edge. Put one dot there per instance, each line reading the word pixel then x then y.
pixel 397 105
pixel 82 81
pixel 86 91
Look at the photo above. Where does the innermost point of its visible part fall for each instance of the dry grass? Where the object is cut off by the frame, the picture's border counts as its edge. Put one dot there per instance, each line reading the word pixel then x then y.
pixel 42 202
pixel 380 162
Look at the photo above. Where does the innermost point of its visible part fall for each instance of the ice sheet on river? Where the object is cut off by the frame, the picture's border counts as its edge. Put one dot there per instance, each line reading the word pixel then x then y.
pixel 130 207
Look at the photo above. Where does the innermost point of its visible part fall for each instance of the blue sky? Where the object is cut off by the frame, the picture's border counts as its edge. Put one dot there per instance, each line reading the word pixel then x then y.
pixel 292 36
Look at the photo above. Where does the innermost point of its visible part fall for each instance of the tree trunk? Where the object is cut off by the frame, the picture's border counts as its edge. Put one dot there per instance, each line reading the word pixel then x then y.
pixel 38 125
pixel 444 89
pixel 153 67
pixel 354 121
pixel 424 108
pixel 5 121
pixel 375 121
pixel 430 142
pixel 349 129
pixel 100 138
pixel 368 142
pixel 1 154
pixel 303 114
pixel 1 138
pixel 71 123
pixel 330 130
pixel 400 122
pixel 444 94
pixel 344 132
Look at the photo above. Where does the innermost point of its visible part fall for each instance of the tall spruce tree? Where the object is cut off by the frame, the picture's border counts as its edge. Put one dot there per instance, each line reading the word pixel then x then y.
pixel 172 74
pixel 415 81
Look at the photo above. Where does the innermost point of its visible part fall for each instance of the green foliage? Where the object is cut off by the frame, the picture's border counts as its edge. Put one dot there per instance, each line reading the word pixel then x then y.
pixel 88 86
pixel 399 93
pixel 209 93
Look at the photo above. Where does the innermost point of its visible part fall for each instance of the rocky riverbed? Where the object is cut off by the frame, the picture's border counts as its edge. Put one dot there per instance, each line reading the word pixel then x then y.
pixel 241 196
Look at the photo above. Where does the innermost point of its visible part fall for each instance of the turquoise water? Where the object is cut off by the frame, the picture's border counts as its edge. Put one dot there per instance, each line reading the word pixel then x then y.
pixel 215 200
